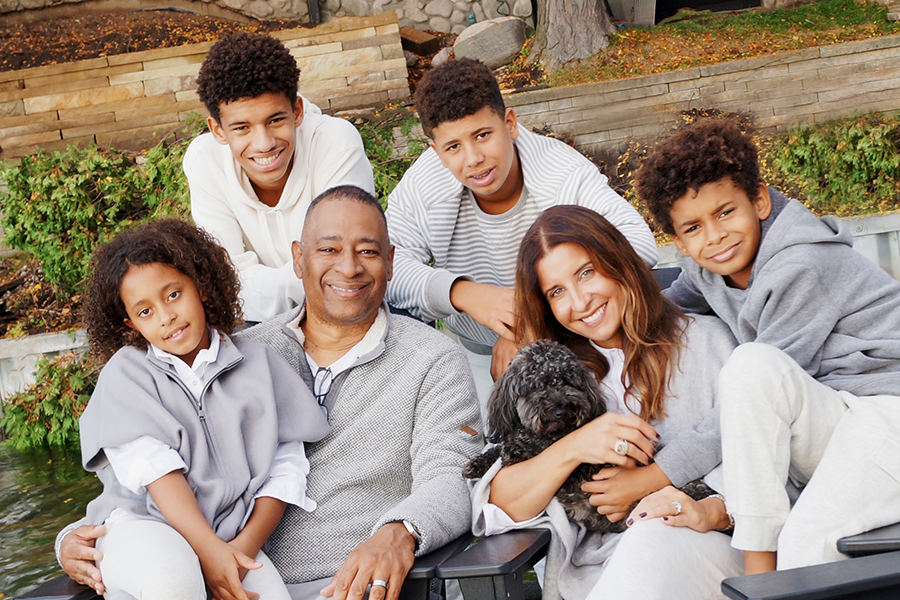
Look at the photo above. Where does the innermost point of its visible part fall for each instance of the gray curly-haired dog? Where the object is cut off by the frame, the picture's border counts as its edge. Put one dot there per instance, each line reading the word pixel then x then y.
pixel 545 394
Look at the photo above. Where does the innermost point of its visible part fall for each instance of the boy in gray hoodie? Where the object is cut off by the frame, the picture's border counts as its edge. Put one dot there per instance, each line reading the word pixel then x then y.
pixel 811 398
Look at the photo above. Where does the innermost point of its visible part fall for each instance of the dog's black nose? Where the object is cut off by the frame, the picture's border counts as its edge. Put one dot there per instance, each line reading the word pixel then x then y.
pixel 559 412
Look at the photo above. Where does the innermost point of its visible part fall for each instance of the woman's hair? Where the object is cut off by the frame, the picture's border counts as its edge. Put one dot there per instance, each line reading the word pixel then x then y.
pixel 652 326
pixel 170 242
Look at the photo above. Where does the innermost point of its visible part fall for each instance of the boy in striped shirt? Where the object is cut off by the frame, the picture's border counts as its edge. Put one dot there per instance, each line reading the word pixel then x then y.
pixel 458 215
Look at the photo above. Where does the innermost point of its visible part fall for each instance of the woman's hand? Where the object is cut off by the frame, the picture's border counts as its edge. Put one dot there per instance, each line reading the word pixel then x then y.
pixel 595 442
pixel 615 490
pixel 703 515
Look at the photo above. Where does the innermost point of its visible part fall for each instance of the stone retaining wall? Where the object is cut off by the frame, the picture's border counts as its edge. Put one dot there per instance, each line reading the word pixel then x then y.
pixel 129 101
pixel 438 15
pixel 781 91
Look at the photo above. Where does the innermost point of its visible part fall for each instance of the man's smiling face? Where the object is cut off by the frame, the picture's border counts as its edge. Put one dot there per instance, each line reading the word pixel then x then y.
pixel 261 134
pixel 344 260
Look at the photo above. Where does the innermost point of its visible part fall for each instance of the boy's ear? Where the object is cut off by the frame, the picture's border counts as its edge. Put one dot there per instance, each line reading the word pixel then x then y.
pixel 511 123
pixel 763 203
pixel 216 129
pixel 298 111
pixel 680 245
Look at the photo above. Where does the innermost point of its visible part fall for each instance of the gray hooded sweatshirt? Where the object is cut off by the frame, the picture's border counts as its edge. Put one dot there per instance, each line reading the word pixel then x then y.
pixel 252 400
pixel 811 295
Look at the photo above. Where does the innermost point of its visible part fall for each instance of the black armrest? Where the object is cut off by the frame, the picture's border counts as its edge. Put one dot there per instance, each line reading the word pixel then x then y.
pixel 60 588
pixel 665 276
pixel 884 539
pixel 498 555
pixel 426 566
pixel 870 577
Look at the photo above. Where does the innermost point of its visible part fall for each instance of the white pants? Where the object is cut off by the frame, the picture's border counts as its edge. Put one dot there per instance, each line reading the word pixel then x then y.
pixel 654 561
pixel 484 383
pixel 778 422
pixel 145 559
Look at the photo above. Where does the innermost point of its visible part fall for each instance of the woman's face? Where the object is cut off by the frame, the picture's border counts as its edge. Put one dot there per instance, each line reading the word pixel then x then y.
pixel 582 298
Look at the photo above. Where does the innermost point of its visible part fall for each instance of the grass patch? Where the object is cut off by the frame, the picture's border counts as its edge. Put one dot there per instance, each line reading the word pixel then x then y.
pixel 692 39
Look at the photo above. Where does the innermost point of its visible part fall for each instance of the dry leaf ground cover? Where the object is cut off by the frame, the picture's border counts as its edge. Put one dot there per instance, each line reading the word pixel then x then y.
pixel 691 39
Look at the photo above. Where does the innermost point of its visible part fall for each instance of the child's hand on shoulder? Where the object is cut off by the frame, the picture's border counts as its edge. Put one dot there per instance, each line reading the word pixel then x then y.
pixel 223 568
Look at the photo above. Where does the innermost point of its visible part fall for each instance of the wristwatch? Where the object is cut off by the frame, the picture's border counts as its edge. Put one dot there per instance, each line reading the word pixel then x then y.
pixel 727 512
pixel 412 531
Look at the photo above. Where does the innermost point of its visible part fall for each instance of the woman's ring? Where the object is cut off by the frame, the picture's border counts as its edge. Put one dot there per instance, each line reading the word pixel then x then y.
pixel 380 582
pixel 621 447
pixel 677 506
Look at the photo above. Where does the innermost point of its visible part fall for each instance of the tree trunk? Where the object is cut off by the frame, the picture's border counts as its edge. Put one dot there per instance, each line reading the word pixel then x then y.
pixel 570 30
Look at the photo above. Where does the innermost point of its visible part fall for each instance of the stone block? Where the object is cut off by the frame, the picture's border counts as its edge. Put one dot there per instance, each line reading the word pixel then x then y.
pixel 366 42
pixel 161 53
pixel 387 29
pixel 169 85
pixel 521 8
pixel 138 138
pixel 141 102
pixel 368 99
pixel 557 105
pixel 495 42
pixel 789 102
pixel 13 84
pixel 81 65
pixel 606 98
pixel 100 82
pixel 26 119
pixel 355 80
pixel 457 17
pixel 829 77
pixel 29 139
pixel 190 70
pixel 111 125
pixel 420 42
pixel 315 50
pixel 392 51
pixel 396 74
pixel 286 35
pixel 83 97
pixel 63 79
pixel 328 65
pixel 171 63
pixel 399 93
pixel 20 151
pixel 893 16
pixel 129 114
pixel 385 18
pixel 889 41
pixel 13 129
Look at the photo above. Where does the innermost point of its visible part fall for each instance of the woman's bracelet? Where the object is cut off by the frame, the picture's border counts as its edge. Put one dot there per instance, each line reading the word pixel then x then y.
pixel 727 513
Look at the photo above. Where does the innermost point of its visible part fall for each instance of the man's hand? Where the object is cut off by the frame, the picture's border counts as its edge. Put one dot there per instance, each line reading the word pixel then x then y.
pixel 503 352
pixel 79 557
pixel 491 305
pixel 222 565
pixel 615 490
pixel 387 555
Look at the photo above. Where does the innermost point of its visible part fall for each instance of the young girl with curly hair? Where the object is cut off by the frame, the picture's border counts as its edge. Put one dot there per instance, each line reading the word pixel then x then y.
pixel 197 437
pixel 579 282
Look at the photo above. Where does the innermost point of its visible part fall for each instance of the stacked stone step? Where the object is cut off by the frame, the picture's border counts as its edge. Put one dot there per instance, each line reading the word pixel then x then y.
pixel 893 9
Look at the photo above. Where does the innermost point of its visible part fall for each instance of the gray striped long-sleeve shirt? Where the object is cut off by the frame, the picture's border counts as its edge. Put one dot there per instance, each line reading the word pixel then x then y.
pixel 441 235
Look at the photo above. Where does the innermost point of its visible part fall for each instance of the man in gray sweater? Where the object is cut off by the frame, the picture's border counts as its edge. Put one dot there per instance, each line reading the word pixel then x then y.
pixel 401 403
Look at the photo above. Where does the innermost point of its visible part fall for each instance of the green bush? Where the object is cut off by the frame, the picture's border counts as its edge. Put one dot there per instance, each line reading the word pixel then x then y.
pixel 46 414
pixel 389 162
pixel 58 207
pixel 845 167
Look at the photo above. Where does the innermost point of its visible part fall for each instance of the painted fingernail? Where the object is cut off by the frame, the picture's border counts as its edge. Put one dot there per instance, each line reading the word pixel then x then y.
pixel 642 515
pixel 629 522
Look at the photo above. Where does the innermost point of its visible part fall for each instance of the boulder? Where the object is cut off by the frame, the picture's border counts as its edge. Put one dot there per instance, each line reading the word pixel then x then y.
pixel 441 57
pixel 495 42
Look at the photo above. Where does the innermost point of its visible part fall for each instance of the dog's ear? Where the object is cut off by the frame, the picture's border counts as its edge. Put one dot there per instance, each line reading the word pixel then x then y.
pixel 593 392
pixel 503 413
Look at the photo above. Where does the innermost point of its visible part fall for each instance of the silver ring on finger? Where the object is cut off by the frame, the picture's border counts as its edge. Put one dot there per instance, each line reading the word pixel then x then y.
pixel 380 582
pixel 677 505
pixel 621 447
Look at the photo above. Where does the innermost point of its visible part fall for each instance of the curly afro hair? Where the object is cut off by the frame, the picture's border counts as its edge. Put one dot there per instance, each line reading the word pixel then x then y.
pixel 706 151
pixel 170 242
pixel 454 90
pixel 246 65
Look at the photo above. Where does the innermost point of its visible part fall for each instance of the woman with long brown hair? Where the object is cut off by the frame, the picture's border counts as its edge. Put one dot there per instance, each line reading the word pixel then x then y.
pixel 579 282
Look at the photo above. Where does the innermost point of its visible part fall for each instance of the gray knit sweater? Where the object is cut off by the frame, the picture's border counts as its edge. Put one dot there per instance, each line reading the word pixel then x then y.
pixel 396 448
